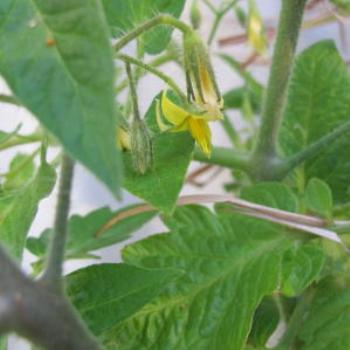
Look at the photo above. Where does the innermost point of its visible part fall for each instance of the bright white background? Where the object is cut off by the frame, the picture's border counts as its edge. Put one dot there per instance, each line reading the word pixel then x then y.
pixel 88 193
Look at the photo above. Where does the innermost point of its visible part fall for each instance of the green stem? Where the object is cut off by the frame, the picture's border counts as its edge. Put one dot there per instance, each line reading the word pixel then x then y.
pixel 158 61
pixel 210 6
pixel 155 71
pixel 9 99
pixel 218 17
pixel 19 140
pixel 282 62
pixel 279 168
pixel 225 157
pixel 341 209
pixel 295 323
pixel 52 276
pixel 230 131
pixel 280 307
pixel 317 147
pixel 159 20
pixel 214 28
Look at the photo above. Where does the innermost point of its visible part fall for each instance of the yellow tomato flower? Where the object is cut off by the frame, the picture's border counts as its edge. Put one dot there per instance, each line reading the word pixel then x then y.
pixel 182 119
pixel 202 89
pixel 204 102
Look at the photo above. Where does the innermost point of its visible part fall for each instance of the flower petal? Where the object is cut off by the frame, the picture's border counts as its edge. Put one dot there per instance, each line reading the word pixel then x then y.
pixel 173 113
pixel 123 139
pixel 200 131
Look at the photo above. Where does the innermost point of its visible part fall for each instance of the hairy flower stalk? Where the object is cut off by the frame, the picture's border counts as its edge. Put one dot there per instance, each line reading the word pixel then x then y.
pixel 204 102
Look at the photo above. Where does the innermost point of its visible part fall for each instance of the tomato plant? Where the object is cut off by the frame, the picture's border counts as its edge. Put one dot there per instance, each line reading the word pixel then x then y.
pixel 264 265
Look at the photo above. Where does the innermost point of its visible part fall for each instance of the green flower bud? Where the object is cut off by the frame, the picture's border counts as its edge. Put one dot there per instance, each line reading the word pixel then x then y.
pixel 195 15
pixel 141 146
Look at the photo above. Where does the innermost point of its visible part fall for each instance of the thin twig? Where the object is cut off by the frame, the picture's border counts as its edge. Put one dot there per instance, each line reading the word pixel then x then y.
pixel 170 82
pixel 142 28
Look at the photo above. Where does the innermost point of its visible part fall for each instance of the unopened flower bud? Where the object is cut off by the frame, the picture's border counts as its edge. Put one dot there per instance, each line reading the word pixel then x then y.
pixel 256 32
pixel 141 146
pixel 202 88
pixel 195 15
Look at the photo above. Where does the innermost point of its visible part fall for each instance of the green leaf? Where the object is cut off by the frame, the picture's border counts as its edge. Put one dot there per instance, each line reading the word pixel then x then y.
pixel 318 102
pixel 266 319
pixel 318 197
pixel 162 184
pixel 327 325
pixel 15 224
pixel 106 294
pixel 343 5
pixel 301 266
pixel 125 15
pixel 38 245
pixel 3 343
pixel 57 59
pixel 272 194
pixel 20 171
pixel 252 90
pixel 84 233
pixel 6 136
pixel 234 99
pixel 230 265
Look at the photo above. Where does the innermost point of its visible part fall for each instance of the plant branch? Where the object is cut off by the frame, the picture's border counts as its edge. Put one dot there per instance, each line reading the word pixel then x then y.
pixel 219 14
pixel 33 311
pixel 224 157
pixel 158 61
pixel 295 323
pixel 316 147
pixel 279 169
pixel 231 131
pixel 19 140
pixel 155 71
pixel 210 6
pixel 283 58
pixel 52 276
pixel 9 99
pixel 159 20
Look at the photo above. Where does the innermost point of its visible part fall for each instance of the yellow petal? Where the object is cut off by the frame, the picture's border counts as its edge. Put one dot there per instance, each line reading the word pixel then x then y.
pixel 206 84
pixel 173 113
pixel 200 131
pixel 123 139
